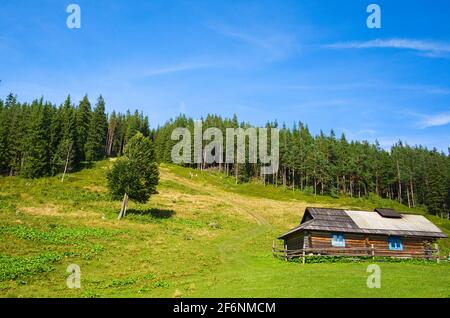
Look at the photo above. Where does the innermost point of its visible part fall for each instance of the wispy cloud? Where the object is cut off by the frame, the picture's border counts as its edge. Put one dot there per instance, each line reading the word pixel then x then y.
pixel 439 90
pixel 426 48
pixel 435 120
pixel 134 71
pixel 367 131
pixel 435 90
pixel 174 69
pixel 324 103
pixel 331 87
pixel 278 45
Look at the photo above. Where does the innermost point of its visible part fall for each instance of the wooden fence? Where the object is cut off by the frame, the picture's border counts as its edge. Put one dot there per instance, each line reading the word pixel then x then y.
pixel 283 252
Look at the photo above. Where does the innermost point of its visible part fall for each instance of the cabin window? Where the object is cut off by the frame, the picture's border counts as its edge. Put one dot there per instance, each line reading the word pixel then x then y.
pixel 395 244
pixel 338 240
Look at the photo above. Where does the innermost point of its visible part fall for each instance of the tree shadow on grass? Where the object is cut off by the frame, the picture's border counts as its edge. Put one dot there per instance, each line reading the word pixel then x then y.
pixel 83 165
pixel 153 213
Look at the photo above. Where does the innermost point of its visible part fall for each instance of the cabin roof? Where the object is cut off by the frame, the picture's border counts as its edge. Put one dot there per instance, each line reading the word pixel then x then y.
pixel 366 222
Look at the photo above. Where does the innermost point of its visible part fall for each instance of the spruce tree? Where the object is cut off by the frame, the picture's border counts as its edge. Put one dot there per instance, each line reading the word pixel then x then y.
pixel 37 158
pixel 39 139
pixel 3 136
pixel 18 123
pixel 66 157
pixel 83 117
pixel 95 148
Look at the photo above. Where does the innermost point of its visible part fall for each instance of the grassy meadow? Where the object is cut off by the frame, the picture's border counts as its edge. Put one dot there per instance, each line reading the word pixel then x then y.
pixel 200 236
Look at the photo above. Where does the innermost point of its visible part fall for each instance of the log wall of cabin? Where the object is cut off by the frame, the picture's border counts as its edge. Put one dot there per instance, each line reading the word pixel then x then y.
pixel 294 241
pixel 412 246
pixel 323 240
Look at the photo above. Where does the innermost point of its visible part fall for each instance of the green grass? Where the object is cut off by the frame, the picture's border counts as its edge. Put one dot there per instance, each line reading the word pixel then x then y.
pixel 14 267
pixel 202 235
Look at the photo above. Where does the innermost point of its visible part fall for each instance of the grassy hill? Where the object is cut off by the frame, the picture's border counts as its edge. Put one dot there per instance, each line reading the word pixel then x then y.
pixel 200 236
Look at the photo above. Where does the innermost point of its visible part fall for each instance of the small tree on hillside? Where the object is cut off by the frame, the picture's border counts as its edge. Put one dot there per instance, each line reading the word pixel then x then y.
pixel 135 175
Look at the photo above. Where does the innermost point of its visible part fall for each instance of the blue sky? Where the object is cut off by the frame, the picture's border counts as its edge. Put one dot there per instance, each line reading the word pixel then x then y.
pixel 311 61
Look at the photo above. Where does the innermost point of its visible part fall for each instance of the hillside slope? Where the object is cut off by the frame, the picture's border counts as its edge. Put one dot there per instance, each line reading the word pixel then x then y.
pixel 201 235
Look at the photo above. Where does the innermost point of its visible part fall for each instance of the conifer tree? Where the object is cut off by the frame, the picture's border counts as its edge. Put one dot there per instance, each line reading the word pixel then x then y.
pixel 4 112
pixel 98 128
pixel 37 157
pixel 83 118
pixel 41 139
pixel 66 157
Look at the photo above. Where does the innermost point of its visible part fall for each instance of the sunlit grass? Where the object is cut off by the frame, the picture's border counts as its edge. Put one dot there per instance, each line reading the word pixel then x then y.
pixel 201 235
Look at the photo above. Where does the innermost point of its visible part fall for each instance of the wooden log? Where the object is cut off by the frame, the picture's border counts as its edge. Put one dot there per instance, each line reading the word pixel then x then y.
pixel 436 246
pixel 67 163
pixel 123 208
pixel 306 239
pixel 371 251
pixel 126 205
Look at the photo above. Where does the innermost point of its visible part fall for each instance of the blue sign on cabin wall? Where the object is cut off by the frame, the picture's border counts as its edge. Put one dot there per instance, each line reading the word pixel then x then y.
pixel 338 240
pixel 395 243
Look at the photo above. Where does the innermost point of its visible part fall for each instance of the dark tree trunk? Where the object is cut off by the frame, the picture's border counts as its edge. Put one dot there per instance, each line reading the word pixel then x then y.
pixel 399 183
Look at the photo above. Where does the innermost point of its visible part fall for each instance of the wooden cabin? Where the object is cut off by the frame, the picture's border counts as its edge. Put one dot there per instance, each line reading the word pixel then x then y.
pixel 383 232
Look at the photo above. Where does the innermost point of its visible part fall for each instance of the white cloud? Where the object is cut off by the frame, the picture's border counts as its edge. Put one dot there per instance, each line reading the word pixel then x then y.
pixel 367 132
pixel 139 70
pixel 337 86
pixel 437 90
pixel 427 48
pixel 323 103
pixel 435 120
pixel 175 69
pixel 278 45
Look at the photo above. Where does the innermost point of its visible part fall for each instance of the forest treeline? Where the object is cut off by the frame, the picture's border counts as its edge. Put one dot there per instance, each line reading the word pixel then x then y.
pixel 42 139
pixel 327 164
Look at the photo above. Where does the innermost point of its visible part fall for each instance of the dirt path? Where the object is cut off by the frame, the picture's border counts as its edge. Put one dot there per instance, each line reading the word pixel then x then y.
pixel 231 249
